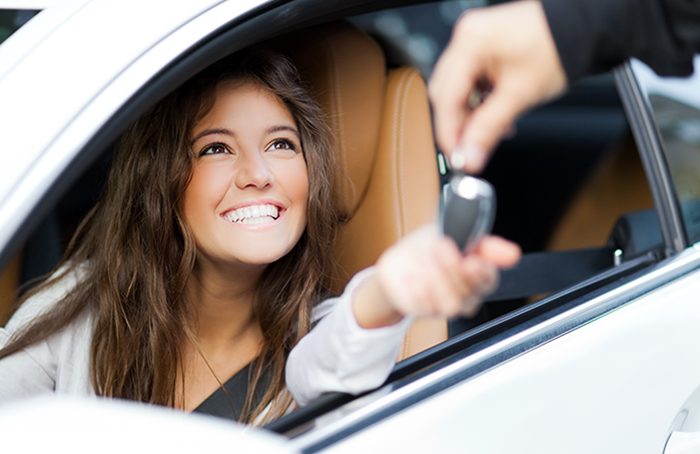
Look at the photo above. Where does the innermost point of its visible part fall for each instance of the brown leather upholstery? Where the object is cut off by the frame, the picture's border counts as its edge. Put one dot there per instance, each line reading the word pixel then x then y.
pixel 617 186
pixel 388 185
pixel 9 282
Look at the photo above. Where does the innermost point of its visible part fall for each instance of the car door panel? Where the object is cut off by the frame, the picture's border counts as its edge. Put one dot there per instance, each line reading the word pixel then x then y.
pixel 614 385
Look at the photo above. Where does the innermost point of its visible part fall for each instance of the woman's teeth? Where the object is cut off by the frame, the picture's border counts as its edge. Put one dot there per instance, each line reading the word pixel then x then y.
pixel 253 214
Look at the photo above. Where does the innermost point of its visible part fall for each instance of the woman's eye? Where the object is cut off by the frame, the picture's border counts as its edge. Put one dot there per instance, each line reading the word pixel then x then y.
pixel 282 144
pixel 216 148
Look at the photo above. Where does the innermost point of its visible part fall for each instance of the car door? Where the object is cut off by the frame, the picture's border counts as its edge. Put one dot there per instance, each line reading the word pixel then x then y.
pixel 615 372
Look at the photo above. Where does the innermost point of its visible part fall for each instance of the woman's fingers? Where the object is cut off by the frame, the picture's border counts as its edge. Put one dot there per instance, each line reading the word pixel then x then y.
pixel 451 288
pixel 427 275
pixel 499 251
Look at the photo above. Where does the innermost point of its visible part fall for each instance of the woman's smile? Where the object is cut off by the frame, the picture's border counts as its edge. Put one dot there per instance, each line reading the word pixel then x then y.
pixel 258 213
pixel 246 201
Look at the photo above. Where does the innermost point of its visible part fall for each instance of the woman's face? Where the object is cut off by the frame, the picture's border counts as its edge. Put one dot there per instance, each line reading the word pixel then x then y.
pixel 246 202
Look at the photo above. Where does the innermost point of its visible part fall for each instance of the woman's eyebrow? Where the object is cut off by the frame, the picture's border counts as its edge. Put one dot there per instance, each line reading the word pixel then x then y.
pixel 278 128
pixel 207 132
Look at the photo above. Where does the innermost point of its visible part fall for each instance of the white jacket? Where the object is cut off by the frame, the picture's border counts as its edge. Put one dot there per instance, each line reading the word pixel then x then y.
pixel 337 355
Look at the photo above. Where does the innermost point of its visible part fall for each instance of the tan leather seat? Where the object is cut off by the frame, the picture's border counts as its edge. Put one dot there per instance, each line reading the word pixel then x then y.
pixel 9 283
pixel 617 186
pixel 389 183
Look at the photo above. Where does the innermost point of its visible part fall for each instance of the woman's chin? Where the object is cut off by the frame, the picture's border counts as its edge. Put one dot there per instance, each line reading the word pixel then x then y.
pixel 259 258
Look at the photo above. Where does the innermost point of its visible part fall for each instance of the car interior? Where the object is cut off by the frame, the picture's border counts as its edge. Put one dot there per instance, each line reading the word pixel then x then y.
pixel 571 188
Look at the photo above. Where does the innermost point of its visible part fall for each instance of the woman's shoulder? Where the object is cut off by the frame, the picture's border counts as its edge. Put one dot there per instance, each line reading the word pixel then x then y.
pixel 65 280
pixel 57 363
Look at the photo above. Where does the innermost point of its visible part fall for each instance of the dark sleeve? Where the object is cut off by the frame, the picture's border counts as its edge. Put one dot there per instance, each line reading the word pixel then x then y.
pixel 593 36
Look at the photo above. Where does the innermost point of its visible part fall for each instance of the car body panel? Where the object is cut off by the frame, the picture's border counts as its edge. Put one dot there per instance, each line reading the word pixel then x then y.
pixel 52 424
pixel 613 385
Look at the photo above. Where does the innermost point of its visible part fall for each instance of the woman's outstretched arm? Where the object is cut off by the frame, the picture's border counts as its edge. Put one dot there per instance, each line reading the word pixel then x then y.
pixel 426 275
pixel 353 348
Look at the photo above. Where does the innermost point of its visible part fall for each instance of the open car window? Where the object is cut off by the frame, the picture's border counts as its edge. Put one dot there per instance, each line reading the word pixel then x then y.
pixel 553 178
pixel 570 185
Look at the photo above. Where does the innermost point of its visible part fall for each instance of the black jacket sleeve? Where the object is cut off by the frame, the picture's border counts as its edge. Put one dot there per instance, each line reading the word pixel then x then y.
pixel 593 36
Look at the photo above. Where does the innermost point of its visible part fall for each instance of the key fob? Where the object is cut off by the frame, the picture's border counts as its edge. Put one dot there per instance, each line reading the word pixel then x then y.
pixel 469 210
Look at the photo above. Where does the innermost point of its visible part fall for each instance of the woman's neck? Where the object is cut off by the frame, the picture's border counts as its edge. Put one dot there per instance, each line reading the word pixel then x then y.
pixel 228 336
pixel 223 301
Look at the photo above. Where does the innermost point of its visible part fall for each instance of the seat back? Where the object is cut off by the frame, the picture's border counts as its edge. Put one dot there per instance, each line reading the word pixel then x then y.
pixel 388 184
pixel 9 283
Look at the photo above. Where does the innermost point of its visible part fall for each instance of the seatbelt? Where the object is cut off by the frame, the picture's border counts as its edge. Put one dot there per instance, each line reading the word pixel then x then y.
pixel 546 272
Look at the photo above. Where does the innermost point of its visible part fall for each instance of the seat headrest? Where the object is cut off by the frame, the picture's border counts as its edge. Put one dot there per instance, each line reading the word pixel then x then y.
pixel 346 71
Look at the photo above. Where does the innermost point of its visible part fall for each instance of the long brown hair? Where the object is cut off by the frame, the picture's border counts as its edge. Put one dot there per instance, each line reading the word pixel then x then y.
pixel 134 251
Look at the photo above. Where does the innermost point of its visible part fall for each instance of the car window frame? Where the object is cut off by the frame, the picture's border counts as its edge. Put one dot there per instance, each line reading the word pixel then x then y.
pixel 243 31
pixel 647 137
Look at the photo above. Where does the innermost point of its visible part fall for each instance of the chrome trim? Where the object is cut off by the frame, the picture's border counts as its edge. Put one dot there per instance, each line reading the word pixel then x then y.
pixel 651 150
pixel 382 403
pixel 33 186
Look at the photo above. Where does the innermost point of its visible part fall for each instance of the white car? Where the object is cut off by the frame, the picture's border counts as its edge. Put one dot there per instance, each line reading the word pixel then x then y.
pixel 591 344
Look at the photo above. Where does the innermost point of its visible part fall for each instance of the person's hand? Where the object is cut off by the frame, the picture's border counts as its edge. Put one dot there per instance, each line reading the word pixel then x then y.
pixel 425 274
pixel 507 49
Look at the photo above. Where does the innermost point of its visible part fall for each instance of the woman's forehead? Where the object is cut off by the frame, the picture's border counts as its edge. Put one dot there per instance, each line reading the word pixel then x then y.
pixel 244 101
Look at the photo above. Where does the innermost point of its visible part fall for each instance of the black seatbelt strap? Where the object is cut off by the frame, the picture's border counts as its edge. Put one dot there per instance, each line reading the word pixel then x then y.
pixel 546 272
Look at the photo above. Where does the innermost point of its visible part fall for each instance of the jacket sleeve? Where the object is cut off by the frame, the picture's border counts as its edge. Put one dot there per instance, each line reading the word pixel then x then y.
pixel 340 356
pixel 593 36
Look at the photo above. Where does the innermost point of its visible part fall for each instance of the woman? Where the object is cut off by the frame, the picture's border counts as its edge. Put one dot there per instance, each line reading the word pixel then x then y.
pixel 208 252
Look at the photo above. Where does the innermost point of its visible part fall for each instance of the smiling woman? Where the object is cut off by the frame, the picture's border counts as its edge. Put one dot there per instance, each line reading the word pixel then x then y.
pixel 167 289
pixel 195 281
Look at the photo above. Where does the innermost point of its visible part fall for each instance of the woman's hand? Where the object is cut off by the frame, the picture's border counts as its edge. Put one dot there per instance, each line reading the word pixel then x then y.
pixel 426 275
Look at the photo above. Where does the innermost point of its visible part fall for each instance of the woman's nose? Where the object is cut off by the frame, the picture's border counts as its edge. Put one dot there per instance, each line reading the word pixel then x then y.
pixel 252 170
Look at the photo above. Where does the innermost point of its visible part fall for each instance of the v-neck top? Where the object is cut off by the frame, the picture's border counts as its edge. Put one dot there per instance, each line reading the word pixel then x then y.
pixel 229 403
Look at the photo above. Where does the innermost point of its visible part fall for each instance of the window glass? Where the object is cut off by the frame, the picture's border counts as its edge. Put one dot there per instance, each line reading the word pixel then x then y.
pixel 676 106
pixel 568 178
pixel 12 19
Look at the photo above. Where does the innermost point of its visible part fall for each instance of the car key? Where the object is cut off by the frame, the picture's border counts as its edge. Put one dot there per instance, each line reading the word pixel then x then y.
pixel 469 210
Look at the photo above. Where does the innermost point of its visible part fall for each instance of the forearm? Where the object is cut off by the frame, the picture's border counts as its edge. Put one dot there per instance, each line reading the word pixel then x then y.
pixel 332 358
pixel 593 36
pixel 371 306
pixel 338 355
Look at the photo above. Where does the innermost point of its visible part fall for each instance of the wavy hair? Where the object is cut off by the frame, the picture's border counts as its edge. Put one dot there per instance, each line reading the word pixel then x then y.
pixel 135 251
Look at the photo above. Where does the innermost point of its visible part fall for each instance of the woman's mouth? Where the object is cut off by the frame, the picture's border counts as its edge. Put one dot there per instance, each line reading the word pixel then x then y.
pixel 253 214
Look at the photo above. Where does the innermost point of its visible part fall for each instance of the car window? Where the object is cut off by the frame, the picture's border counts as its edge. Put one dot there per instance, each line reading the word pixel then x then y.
pixel 569 178
pixel 12 19
pixel 552 178
pixel 675 103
